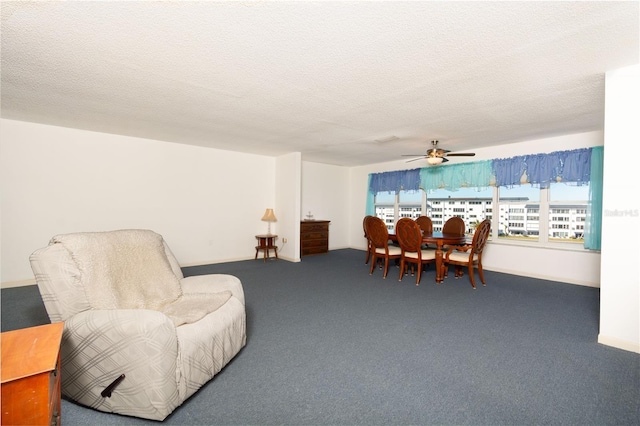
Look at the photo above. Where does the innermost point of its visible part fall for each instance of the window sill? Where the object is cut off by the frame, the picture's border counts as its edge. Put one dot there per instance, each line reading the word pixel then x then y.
pixel 575 247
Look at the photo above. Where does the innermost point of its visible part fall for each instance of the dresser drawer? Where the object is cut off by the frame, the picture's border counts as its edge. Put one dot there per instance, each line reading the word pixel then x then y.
pixel 315 227
pixel 314 243
pixel 314 236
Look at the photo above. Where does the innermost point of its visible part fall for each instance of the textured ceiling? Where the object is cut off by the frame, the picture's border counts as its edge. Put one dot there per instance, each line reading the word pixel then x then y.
pixel 330 79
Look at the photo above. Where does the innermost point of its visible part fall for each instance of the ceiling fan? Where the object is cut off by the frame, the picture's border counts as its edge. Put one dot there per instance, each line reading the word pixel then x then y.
pixel 437 155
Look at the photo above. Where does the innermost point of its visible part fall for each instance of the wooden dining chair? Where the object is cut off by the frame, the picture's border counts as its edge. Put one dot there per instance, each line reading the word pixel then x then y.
pixel 454 225
pixel 425 224
pixel 409 236
pixel 364 227
pixel 469 255
pixel 380 248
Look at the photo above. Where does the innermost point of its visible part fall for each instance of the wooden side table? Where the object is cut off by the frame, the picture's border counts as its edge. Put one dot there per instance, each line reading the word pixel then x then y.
pixel 266 243
pixel 31 375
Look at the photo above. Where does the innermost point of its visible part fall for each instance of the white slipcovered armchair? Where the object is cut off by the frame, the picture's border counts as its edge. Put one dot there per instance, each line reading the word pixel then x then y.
pixel 139 338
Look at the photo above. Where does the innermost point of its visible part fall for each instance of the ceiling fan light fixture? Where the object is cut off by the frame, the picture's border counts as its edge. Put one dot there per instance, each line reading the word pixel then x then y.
pixel 434 160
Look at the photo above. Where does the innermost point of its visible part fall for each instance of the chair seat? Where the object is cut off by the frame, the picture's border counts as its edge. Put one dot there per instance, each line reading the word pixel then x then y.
pixel 426 254
pixel 393 251
pixel 460 256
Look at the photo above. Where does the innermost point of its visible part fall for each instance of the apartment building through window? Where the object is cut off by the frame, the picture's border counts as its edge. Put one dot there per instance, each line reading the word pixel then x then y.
pixel 524 213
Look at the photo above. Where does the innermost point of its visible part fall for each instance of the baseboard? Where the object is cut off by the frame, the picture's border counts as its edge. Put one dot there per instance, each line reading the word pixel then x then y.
pixel 543 277
pixel 235 259
pixel 21 283
pixel 619 343
pixel 213 262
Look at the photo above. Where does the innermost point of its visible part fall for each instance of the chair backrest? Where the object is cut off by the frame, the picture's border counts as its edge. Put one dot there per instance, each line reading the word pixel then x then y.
pixel 377 232
pixel 425 224
pixel 409 235
pixel 480 236
pixel 364 225
pixel 454 225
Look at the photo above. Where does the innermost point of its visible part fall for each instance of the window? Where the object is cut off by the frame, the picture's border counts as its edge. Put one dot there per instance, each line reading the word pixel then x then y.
pixel 385 205
pixel 391 207
pixel 520 212
pixel 523 214
pixel 514 206
pixel 471 204
pixel 567 212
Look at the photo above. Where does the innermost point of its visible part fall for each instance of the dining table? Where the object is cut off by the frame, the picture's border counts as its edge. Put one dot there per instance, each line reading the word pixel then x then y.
pixel 439 239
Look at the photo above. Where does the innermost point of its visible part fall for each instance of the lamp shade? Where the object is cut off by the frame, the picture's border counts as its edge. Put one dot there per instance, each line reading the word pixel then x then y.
pixel 269 216
pixel 434 160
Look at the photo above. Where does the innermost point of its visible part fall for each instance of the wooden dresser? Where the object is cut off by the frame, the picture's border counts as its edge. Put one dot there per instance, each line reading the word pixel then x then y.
pixel 314 237
pixel 31 375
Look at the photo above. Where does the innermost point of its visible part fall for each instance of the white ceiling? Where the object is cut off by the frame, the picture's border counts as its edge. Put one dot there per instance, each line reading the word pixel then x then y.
pixel 329 78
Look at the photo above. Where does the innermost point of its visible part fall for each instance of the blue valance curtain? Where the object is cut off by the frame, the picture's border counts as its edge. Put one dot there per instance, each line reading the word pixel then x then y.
pixel 472 175
pixel 401 180
pixel 541 169
pixel 578 167
pixel 537 169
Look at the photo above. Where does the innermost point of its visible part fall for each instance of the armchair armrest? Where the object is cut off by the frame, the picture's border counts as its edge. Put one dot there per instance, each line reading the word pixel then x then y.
pixel 213 283
pixel 100 345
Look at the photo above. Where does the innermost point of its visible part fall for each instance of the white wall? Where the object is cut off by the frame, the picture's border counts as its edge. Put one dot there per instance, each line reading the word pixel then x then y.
pixel 620 278
pixel 577 267
pixel 325 193
pixel 288 171
pixel 207 203
pixel 58 180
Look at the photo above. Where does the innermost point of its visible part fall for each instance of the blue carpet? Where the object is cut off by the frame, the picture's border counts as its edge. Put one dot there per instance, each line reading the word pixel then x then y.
pixel 328 344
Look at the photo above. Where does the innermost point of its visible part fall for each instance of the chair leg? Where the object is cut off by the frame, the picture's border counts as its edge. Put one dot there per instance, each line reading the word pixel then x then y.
pixel 471 276
pixel 374 260
pixel 402 266
pixel 459 272
pixel 481 274
pixel 419 274
pixel 386 267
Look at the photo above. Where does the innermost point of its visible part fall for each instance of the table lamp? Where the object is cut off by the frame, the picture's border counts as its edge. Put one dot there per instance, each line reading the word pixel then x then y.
pixel 269 217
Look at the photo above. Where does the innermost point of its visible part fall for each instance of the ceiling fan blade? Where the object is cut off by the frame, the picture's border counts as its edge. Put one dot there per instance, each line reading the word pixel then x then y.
pixel 435 153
